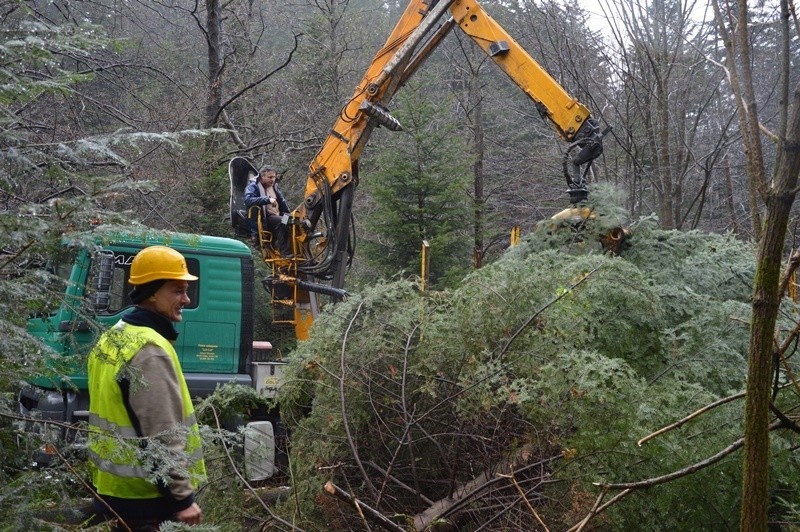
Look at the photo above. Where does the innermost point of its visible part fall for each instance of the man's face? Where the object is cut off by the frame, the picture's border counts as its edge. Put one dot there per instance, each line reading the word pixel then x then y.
pixel 268 178
pixel 170 299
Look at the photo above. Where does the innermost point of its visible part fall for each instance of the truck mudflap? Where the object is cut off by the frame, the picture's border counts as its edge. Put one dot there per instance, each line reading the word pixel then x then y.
pixel 259 450
pixel 52 405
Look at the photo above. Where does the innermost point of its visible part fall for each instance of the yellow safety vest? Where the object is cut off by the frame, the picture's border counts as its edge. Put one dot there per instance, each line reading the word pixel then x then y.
pixel 114 447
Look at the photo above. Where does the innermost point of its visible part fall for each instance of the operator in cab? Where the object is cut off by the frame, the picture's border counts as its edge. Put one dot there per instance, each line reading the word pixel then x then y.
pixel 140 410
pixel 264 193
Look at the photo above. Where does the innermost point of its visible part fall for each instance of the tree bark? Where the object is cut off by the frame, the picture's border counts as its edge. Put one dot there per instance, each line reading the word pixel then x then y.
pixel 779 196
pixel 742 86
pixel 766 301
pixel 478 152
pixel 737 229
pixel 213 33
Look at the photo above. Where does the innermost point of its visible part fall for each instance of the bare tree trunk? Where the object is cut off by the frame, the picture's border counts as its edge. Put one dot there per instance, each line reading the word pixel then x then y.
pixel 766 301
pixel 779 195
pixel 737 229
pixel 213 33
pixel 662 117
pixel 480 201
pixel 742 85
pixel 472 489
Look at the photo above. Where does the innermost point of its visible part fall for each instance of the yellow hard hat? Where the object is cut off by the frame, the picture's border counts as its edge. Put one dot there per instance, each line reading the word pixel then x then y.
pixel 157 263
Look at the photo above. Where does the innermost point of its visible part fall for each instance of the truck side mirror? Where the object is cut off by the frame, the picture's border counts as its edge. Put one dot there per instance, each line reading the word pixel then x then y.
pixel 101 293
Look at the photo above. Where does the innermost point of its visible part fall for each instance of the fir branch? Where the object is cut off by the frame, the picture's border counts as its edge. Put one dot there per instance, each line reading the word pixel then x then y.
pixel 597 509
pixel 90 489
pixel 787 422
pixel 649 483
pixel 524 498
pixel 552 302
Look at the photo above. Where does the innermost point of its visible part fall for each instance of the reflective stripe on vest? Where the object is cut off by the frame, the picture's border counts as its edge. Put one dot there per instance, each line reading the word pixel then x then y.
pixel 127 432
pixel 115 449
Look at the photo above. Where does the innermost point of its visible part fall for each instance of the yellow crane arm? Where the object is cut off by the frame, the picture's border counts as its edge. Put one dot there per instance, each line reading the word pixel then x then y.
pixel 366 109
pixel 553 102
pixel 335 165
pixel 323 219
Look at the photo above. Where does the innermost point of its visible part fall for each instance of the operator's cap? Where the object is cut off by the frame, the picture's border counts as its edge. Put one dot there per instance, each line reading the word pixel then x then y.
pixel 155 263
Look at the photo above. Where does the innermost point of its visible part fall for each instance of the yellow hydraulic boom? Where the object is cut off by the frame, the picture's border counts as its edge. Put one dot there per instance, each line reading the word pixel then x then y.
pixel 322 223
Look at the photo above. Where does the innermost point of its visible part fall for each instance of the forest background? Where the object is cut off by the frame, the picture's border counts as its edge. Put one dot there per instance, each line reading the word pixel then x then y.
pixel 526 416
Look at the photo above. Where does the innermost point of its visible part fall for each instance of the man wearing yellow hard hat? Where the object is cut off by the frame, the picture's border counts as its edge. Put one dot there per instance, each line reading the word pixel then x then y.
pixel 138 398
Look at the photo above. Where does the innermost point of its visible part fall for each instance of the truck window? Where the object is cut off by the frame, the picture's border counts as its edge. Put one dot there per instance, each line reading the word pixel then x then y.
pixel 107 285
pixel 61 263
pixel 59 266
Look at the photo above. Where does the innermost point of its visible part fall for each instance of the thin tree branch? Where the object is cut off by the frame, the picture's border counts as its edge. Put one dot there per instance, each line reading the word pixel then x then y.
pixel 735 446
pixel 787 422
pixel 738 444
pixel 15 256
pixel 788 275
pixel 350 440
pixel 363 510
pixel 470 490
pixel 525 498
pixel 389 477
pixel 90 489
pixel 789 372
pixel 691 416
pixel 536 314
pixel 260 80
pixel 527 323
pixel 598 509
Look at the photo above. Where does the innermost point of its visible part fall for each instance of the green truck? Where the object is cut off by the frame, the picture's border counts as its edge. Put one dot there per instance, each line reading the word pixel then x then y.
pixel 215 342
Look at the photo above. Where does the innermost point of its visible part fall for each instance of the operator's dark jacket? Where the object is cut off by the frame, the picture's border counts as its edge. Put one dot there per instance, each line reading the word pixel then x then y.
pixel 252 196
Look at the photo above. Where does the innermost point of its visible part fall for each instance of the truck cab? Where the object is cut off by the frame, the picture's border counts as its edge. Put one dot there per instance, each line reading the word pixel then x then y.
pixel 215 342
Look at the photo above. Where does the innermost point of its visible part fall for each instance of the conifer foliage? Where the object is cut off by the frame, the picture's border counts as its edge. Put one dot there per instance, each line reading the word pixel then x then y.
pixel 419 190
pixel 499 404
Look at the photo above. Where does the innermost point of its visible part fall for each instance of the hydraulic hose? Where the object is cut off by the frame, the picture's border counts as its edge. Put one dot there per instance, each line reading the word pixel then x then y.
pixel 324 289
pixel 339 293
